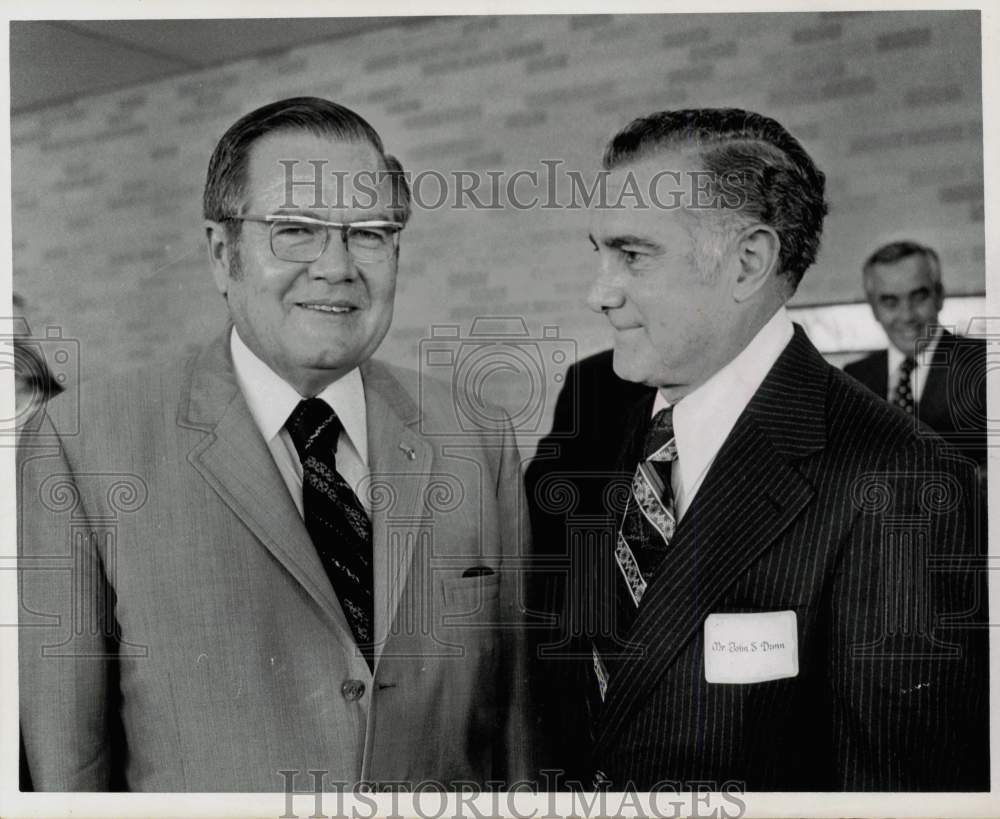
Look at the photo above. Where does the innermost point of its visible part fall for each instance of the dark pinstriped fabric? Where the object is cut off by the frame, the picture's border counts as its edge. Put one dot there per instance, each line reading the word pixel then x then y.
pixel 825 502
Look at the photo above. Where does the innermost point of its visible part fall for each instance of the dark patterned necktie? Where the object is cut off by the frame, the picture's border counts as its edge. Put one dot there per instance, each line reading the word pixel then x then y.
pixel 337 522
pixel 647 528
pixel 903 396
pixel 649 521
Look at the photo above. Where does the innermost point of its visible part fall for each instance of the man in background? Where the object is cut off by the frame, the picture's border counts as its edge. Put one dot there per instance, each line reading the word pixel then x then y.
pixel 750 600
pixel 276 580
pixel 933 375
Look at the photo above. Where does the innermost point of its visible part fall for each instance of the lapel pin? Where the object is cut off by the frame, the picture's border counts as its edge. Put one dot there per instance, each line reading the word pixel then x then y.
pixel 409 452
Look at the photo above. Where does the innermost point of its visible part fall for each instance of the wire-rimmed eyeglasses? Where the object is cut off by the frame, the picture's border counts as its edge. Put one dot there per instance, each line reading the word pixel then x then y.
pixel 305 239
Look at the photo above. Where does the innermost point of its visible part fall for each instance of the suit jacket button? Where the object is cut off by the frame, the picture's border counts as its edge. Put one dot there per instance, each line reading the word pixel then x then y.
pixel 352 690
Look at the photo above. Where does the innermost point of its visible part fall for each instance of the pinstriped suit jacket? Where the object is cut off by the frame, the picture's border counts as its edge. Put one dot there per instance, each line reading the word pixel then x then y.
pixel 178 632
pixel 953 402
pixel 822 501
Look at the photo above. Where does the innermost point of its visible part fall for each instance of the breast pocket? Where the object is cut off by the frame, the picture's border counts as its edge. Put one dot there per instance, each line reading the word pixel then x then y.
pixel 468 620
pixel 468 597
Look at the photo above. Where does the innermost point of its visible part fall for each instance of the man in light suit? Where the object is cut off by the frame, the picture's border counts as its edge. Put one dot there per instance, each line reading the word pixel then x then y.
pixel 771 576
pixel 251 570
pixel 933 375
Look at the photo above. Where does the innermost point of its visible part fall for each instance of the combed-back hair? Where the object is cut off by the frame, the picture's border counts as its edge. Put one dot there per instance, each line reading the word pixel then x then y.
pixel 897 251
pixel 762 167
pixel 226 182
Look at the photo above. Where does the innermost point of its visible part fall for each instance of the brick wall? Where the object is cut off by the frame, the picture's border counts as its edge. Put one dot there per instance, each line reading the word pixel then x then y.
pixel 108 243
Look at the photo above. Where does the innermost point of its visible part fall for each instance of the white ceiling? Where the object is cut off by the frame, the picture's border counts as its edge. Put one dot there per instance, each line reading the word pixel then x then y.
pixel 56 61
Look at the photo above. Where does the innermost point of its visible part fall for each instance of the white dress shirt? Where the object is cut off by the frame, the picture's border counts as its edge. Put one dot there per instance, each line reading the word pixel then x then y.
pixel 704 417
pixel 918 377
pixel 272 399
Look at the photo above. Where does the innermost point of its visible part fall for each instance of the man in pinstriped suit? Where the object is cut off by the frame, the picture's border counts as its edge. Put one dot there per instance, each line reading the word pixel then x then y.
pixel 782 593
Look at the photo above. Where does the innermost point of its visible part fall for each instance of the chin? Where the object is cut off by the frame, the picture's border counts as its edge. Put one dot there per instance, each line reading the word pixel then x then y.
pixel 627 370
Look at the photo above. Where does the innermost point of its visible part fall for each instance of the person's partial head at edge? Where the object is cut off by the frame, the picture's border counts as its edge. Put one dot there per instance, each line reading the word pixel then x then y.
pixel 34 383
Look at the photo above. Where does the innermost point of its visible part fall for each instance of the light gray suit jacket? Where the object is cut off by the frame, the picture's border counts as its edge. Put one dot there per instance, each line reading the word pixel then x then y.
pixel 178 632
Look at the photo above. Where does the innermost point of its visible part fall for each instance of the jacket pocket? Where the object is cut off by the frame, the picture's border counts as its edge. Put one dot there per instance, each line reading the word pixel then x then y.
pixel 470 595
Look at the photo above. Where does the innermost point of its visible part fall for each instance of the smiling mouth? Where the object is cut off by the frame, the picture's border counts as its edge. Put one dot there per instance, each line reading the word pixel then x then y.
pixel 327 308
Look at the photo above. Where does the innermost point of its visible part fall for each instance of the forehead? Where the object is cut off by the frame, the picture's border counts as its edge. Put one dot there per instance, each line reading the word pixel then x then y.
pixel 282 169
pixel 648 198
pixel 909 273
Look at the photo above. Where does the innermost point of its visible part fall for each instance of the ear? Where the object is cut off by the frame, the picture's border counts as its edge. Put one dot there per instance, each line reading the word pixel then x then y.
pixel 757 251
pixel 218 254
pixel 939 296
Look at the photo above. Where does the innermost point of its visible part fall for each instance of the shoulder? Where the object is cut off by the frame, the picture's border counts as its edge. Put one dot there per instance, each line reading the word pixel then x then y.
pixel 116 412
pixel 594 380
pixel 409 393
pixel 598 364
pixel 436 406
pixel 867 363
pixel 126 394
pixel 597 369
pixel 870 433
pixel 962 345
pixel 383 377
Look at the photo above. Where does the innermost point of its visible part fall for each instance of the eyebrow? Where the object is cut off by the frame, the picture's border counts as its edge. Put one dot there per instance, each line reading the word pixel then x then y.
pixel 381 215
pixel 627 240
pixel 915 292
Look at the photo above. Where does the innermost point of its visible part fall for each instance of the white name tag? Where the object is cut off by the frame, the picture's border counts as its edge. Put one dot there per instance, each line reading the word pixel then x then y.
pixel 751 648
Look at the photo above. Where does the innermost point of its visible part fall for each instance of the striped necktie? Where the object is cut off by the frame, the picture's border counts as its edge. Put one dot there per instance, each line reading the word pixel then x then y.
pixel 337 522
pixel 650 520
pixel 646 531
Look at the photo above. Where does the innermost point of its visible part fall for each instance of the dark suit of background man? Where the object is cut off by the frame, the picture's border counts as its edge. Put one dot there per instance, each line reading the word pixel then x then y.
pixel 753 605
pixel 225 584
pixel 938 377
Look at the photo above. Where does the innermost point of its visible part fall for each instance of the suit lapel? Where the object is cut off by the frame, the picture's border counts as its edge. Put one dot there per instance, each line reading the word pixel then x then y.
pixel 873 372
pixel 880 374
pixel 752 492
pixel 401 461
pixel 932 408
pixel 234 459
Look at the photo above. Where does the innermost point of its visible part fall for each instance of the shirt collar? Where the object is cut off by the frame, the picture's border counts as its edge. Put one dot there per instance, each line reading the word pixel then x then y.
pixel 896 358
pixel 704 418
pixel 272 399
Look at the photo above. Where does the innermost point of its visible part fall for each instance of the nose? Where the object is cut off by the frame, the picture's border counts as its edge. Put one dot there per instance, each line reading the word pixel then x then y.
pixel 905 312
pixel 334 263
pixel 605 293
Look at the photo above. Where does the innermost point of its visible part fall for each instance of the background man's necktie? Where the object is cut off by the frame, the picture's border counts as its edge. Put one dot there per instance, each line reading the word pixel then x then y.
pixel 903 397
pixel 337 522
pixel 647 528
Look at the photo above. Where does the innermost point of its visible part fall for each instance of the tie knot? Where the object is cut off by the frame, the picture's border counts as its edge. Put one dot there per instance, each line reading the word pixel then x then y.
pixel 660 433
pixel 907 366
pixel 312 424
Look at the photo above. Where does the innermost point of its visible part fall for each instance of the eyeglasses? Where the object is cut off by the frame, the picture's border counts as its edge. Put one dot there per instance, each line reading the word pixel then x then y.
pixel 304 239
